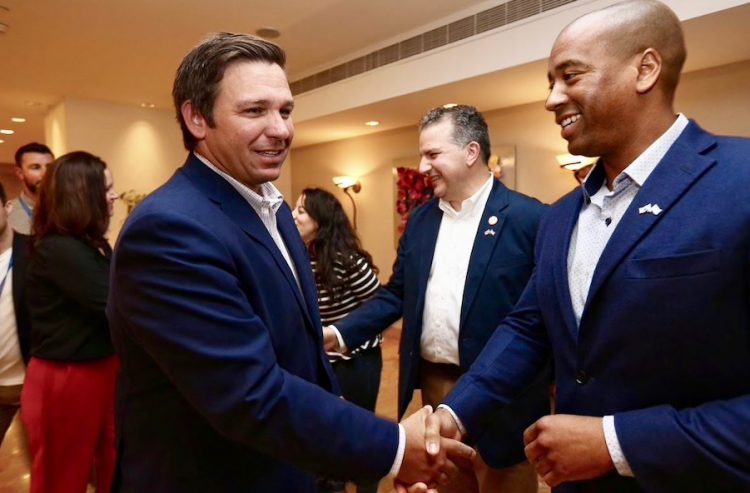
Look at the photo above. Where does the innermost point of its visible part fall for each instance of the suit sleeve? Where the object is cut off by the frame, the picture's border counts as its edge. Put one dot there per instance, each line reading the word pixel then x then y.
pixel 510 361
pixel 177 295
pixel 379 312
pixel 705 448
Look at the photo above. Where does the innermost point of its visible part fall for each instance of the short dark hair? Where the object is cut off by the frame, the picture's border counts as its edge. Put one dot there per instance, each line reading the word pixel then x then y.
pixel 468 126
pixel 3 195
pixel 201 71
pixel 31 147
pixel 73 199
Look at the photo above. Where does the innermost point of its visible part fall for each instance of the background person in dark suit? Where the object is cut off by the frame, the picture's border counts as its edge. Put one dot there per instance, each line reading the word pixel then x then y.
pixel 14 321
pixel 642 284
pixel 462 263
pixel 224 384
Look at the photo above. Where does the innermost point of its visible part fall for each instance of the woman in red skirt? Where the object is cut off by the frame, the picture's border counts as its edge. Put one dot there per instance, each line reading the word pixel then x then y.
pixel 67 403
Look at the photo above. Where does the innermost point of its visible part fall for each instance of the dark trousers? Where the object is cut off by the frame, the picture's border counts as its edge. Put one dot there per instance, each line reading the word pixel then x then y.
pixel 359 379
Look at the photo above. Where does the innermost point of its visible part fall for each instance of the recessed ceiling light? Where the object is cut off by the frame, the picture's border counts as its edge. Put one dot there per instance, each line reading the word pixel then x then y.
pixel 6 131
pixel 18 119
pixel 146 104
pixel 449 105
pixel 268 32
pixel 372 123
pixel 2 141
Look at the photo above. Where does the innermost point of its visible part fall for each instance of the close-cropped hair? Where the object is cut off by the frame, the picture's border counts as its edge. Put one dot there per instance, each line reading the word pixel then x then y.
pixel 468 126
pixel 335 241
pixel 3 195
pixel 72 200
pixel 30 147
pixel 201 71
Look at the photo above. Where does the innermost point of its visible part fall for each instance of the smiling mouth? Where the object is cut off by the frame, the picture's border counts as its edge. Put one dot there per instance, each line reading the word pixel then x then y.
pixel 275 153
pixel 570 120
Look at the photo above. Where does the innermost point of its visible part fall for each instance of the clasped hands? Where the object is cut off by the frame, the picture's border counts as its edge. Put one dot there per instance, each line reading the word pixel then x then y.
pixel 433 451
pixel 561 447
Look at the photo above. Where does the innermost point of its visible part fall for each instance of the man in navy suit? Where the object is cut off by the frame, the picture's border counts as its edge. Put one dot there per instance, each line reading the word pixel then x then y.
pixel 641 291
pixel 224 384
pixel 462 263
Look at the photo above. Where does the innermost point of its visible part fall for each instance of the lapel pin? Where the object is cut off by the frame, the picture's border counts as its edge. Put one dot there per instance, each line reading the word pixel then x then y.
pixel 492 220
pixel 650 209
pixel 489 232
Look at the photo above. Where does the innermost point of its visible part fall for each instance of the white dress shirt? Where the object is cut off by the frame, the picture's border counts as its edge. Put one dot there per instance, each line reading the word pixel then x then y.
pixel 445 286
pixel 12 368
pixel 265 206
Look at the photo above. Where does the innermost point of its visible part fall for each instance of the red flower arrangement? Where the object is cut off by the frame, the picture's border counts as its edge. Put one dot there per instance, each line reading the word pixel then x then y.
pixel 414 189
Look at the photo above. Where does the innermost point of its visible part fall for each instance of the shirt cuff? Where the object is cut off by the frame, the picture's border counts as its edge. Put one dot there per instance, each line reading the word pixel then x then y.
pixel 396 467
pixel 459 424
pixel 342 345
pixel 613 445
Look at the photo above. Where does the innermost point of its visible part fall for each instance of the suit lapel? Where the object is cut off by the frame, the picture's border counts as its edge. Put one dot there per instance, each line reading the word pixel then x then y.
pixel 221 192
pixel 563 230
pixel 484 245
pixel 298 253
pixel 680 168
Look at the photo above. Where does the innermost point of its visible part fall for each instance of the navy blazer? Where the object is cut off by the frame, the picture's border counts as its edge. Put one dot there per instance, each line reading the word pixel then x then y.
pixel 224 383
pixel 23 323
pixel 499 267
pixel 664 339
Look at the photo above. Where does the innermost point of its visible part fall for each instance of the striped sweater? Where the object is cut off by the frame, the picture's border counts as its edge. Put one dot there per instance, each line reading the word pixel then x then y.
pixel 361 283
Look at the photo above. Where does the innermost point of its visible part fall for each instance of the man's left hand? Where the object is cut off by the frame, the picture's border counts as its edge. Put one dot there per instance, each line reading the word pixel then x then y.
pixel 567 448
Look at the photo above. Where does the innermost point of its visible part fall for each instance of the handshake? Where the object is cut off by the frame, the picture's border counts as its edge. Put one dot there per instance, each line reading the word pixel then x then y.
pixel 433 451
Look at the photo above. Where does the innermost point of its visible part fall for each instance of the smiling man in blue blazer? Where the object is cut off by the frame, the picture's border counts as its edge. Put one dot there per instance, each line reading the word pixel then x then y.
pixel 224 384
pixel 462 263
pixel 641 290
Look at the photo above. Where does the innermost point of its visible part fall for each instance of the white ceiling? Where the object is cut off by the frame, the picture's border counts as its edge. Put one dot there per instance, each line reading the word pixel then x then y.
pixel 126 51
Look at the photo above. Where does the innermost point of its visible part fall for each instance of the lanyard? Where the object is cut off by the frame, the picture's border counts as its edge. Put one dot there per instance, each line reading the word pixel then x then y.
pixel 5 277
pixel 25 207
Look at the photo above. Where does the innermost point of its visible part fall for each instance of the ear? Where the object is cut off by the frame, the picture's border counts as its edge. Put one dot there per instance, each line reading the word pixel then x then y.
pixel 19 172
pixel 473 151
pixel 194 120
pixel 8 206
pixel 649 70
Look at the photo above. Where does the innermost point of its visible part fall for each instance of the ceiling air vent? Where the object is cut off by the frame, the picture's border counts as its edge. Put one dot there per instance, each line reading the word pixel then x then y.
pixel 487 20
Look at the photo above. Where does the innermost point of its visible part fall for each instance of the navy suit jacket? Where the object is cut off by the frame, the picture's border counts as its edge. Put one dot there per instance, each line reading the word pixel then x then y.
pixel 664 339
pixel 224 384
pixel 499 267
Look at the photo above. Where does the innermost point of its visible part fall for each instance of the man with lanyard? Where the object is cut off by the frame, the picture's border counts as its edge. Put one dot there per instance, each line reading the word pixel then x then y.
pixel 14 321
pixel 31 164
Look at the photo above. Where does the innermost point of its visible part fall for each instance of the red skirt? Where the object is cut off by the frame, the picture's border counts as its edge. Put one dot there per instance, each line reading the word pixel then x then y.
pixel 68 410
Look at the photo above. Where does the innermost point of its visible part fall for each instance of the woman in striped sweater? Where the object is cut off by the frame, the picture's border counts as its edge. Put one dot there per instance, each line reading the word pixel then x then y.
pixel 345 277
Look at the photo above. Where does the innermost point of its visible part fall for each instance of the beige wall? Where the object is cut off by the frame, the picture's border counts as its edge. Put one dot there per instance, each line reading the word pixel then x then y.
pixel 717 98
pixel 142 147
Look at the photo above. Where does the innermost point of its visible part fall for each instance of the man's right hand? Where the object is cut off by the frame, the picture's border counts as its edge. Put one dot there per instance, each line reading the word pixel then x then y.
pixel 330 341
pixel 433 448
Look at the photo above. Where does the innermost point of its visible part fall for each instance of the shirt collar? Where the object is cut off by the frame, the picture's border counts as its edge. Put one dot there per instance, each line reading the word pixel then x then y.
pixel 271 197
pixel 478 200
pixel 640 169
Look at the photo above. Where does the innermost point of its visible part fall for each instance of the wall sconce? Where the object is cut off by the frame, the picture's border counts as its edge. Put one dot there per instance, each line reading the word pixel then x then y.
pixel 347 184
